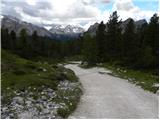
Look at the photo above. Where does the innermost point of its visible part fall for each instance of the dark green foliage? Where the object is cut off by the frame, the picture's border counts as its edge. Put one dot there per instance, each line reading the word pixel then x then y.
pixel 90 50
pixel 149 48
pixel 101 42
pixel 152 38
pixel 113 38
pixel 13 39
pixel 5 38
pixel 135 47
pixel 23 39
pixel 35 47
pixel 129 44
pixel 19 72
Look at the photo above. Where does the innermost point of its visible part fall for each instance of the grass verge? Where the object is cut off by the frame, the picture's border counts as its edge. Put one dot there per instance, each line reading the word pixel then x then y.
pixel 146 79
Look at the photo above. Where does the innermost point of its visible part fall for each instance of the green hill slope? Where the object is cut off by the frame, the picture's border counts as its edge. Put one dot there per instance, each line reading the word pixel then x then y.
pixel 39 84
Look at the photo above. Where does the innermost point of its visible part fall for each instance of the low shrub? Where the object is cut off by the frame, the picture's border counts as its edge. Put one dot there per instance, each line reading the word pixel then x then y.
pixel 19 72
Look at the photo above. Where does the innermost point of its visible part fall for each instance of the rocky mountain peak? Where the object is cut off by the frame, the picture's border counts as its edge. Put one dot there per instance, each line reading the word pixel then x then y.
pixel 15 24
pixel 68 29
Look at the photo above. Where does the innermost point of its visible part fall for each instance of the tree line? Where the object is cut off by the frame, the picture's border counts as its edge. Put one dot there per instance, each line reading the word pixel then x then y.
pixel 135 48
pixel 34 46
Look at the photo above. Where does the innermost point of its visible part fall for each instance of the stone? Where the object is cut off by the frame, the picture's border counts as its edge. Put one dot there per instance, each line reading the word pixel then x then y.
pixel 19 100
pixel 45 111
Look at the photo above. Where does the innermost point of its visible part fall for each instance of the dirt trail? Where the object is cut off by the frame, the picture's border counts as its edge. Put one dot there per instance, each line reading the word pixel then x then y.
pixel 106 96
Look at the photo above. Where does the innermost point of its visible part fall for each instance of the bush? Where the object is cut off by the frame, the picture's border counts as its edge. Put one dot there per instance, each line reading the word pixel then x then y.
pixel 19 72
pixel 30 65
pixel 63 112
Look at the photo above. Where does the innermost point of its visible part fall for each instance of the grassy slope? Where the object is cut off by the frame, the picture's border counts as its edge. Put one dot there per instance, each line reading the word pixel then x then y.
pixel 144 79
pixel 19 74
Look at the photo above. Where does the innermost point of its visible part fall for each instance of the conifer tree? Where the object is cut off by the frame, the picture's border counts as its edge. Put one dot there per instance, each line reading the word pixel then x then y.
pixel 13 40
pixel 129 43
pixel 90 50
pixel 113 37
pixel 101 42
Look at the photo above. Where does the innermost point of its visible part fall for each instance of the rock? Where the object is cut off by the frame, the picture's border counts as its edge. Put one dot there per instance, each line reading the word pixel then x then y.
pixel 129 79
pixel 8 88
pixel 42 93
pixel 30 99
pixel 118 69
pixel 156 85
pixel 45 111
pixel 28 103
pixel 19 100
pixel 44 98
pixel 25 115
pixel 103 72
pixel 4 108
pixel 49 90
pixel 44 70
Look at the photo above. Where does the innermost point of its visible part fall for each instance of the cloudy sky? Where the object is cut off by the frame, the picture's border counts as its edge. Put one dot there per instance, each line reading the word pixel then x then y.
pixel 77 12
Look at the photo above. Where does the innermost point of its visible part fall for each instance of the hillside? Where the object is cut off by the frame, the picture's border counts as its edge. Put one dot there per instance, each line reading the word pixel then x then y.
pixel 36 90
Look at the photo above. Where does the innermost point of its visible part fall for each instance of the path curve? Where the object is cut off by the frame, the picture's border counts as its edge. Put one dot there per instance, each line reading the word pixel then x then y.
pixel 106 96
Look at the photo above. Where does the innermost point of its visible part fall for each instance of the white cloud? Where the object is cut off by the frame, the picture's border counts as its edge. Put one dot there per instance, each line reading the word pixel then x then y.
pixel 77 12
pixel 127 9
pixel 31 2
pixel 55 11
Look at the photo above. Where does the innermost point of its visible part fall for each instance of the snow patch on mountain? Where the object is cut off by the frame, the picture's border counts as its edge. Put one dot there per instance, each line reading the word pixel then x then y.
pixel 66 29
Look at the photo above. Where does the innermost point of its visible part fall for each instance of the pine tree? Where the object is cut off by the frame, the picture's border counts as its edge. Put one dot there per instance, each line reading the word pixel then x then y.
pixel 101 42
pixel 35 43
pixel 113 37
pixel 13 40
pixel 129 44
pixel 89 50
pixel 22 45
pixel 23 38
pixel 153 37
pixel 5 39
pixel 151 40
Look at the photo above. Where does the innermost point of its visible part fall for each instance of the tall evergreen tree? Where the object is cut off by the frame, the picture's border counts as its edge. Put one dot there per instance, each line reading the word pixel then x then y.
pixel 101 42
pixel 13 40
pixel 90 50
pixel 5 39
pixel 113 37
pixel 152 40
pixel 23 47
pixel 23 38
pixel 154 36
pixel 35 43
pixel 130 44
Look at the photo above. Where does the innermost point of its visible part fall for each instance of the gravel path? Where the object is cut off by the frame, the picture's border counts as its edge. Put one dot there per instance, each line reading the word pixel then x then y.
pixel 106 96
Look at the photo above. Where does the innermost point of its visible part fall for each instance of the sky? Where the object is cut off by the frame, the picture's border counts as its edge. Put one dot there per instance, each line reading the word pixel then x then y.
pixel 77 12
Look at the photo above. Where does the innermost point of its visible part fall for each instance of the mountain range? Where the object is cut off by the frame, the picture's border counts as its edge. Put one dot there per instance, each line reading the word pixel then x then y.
pixel 57 31
pixel 138 24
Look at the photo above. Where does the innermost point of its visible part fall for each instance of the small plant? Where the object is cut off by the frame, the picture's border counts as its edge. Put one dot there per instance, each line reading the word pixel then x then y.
pixel 19 72
pixel 30 65
pixel 64 112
